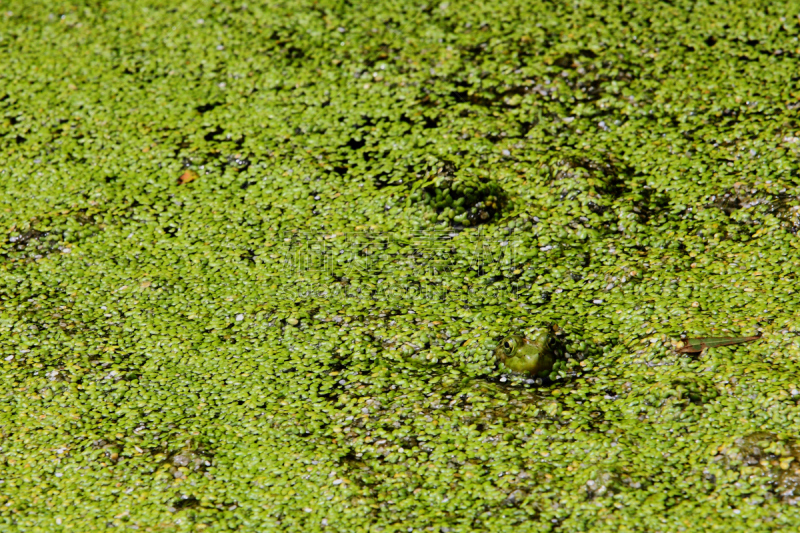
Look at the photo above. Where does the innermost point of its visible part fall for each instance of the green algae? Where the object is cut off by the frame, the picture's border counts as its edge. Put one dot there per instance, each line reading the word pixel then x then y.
pixel 301 336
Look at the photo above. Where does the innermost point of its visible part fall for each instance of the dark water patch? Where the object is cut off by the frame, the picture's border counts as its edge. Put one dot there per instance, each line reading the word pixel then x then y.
pixel 460 197
pixel 358 471
pixel 110 450
pixel 237 162
pixel 773 460
pixel 20 241
pixel 225 155
pixel 213 134
pixel 750 207
pixel 650 204
pixel 205 108
pixel 731 200
pixel 293 52
pixel 192 458
pixel 604 484
pixel 50 235
pixel 501 97
pixel 690 389
pixel 590 79
pixel 576 174
pixel 185 502
pixel 199 508
pixel 356 144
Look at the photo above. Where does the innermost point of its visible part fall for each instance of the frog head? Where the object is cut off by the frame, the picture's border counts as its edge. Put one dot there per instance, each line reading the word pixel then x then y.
pixel 532 354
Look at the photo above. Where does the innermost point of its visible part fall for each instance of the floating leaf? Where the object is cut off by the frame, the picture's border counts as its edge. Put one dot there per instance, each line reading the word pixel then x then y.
pixel 188 176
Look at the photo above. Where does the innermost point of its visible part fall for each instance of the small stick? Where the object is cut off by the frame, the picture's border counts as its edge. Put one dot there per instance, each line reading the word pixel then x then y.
pixel 703 343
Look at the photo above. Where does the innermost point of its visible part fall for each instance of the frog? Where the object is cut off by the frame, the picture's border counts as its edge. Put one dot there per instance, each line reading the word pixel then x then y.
pixel 533 354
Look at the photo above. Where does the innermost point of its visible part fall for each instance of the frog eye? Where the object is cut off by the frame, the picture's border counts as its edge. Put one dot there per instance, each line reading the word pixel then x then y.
pixel 509 345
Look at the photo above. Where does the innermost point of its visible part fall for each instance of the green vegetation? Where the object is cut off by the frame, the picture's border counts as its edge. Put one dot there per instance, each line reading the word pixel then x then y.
pixel 219 309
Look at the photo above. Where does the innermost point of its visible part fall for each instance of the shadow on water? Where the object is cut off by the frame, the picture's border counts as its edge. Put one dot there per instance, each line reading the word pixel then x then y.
pixel 767 458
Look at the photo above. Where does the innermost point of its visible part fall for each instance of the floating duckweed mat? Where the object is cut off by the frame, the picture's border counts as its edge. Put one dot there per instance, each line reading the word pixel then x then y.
pixel 255 260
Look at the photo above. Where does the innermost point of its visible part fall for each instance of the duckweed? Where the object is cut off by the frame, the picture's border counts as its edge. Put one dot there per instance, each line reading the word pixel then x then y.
pixel 247 283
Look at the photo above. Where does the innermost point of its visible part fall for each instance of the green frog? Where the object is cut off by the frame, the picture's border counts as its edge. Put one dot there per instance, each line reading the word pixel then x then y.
pixel 533 354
